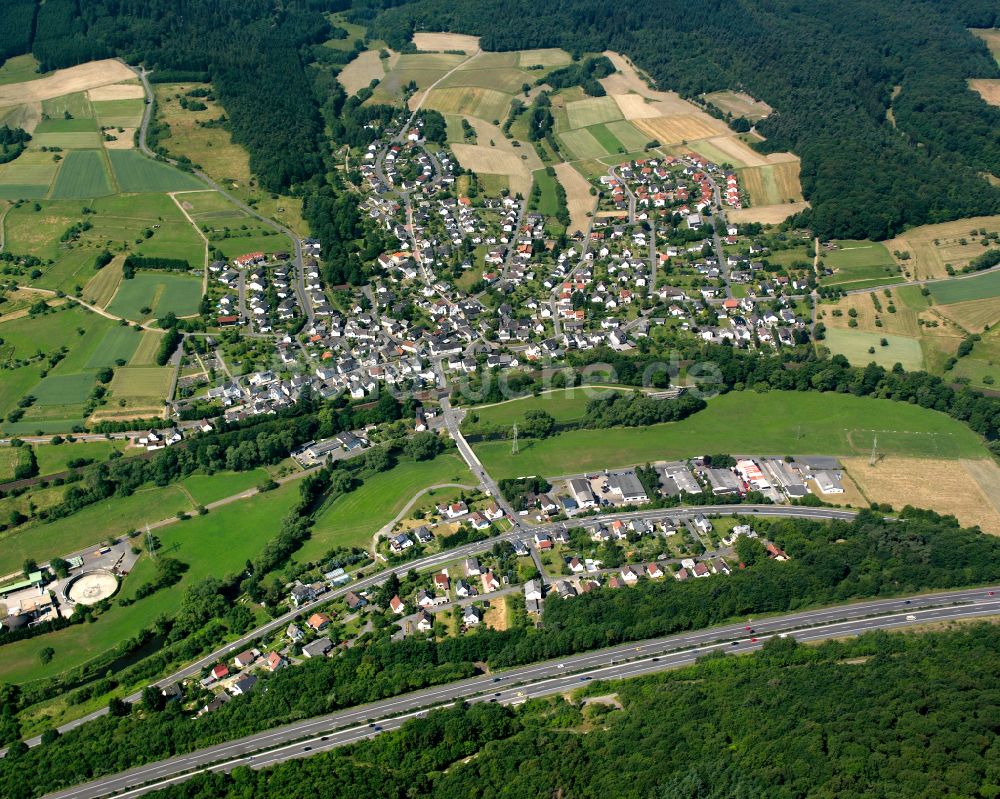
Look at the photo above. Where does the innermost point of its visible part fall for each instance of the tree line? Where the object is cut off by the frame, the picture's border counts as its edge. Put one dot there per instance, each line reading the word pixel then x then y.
pixel 846 59
pixel 830 562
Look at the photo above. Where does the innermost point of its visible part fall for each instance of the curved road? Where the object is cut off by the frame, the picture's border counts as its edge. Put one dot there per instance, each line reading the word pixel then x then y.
pixel 438 559
pixel 303 738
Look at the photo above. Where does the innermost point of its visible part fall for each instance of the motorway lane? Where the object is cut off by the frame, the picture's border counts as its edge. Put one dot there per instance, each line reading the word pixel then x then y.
pixel 439 559
pixel 517 685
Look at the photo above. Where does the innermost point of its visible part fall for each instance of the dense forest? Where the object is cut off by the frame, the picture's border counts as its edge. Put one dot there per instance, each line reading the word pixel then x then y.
pixel 828 68
pixel 830 562
pixel 884 715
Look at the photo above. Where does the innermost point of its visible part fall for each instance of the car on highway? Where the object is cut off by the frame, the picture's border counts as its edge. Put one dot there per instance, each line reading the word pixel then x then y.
pixel 991 593
pixel 586 679
pixel 911 617
pixel 378 728
pixel 735 643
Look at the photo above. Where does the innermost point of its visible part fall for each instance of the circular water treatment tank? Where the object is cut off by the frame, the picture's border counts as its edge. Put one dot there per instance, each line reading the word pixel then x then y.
pixel 92 587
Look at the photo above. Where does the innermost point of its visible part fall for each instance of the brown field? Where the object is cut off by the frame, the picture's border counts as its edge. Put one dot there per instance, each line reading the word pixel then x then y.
pixel 578 198
pixel 517 163
pixel 681 128
pixel 968 489
pixel 25 115
pixel 66 81
pixel 102 287
pixel 739 104
pixel 439 42
pixel 773 184
pixel 903 322
pixel 361 71
pixel 121 141
pixel 729 149
pixel 766 214
pixel 992 38
pixel 928 259
pixel 117 91
pixel 988 88
pixel 974 316
pixel 496 616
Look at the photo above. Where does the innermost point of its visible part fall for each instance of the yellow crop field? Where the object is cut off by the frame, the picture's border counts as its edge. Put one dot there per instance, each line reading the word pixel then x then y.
pixel 361 71
pixel 932 247
pixel 446 41
pixel 678 129
pixel 772 184
pixel 66 81
pixel 579 201
pixel 102 287
pixel 470 101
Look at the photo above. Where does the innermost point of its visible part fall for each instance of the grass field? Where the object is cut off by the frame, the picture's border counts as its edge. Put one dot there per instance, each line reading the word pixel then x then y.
pixel 68 141
pixel 564 406
pixel 473 101
pixel 548 203
pixel 592 111
pixel 628 134
pixel 973 288
pixel 158 291
pixel 205 488
pixel 581 143
pixel 118 344
pixel 607 139
pixel 119 113
pixel 353 519
pixel 63 389
pixel 776 423
pixel 972 315
pixel 854 345
pixel 141 386
pixel 74 103
pixel 83 174
pixel 102 286
pixel 212 545
pixel 54 458
pixel 82 125
pixel 18 69
pixel 73 269
pixel 10 459
pixel 859 264
pixel 134 172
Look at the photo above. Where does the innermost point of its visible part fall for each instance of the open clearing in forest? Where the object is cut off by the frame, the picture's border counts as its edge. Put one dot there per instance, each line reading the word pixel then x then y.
pixel 967 489
pixel 361 71
pixel 546 57
pixel 739 104
pixel 766 214
pixel 932 247
pixel 988 89
pixel 773 184
pixel 992 38
pixel 66 81
pixel 441 42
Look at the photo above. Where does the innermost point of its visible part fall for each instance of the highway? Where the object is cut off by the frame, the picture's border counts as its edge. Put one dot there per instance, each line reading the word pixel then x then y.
pixel 514 686
pixel 447 556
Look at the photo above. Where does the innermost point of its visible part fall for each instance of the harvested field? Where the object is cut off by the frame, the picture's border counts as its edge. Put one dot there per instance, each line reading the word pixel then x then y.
pixel 102 286
pixel 24 115
pixel 773 184
pixel 592 111
pixel 117 91
pixel 546 57
pixel 992 38
pixel 635 106
pixel 766 214
pixel 968 489
pixel 578 198
pixel 931 247
pixel 125 140
pixel 903 322
pixel 66 81
pixel 473 101
pixel 988 89
pixel 680 128
pixel 504 79
pixel 728 150
pixel 739 104
pixel 973 316
pixel 498 161
pixel 628 82
pixel 361 71
pixel 440 42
